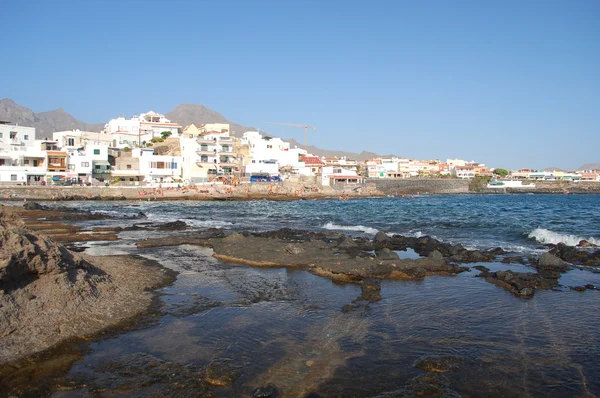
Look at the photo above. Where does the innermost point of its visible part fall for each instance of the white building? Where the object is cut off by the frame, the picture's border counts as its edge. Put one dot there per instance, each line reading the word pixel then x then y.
pixel 139 130
pixel 270 154
pixel 158 168
pixel 22 158
pixel 206 155
pixel 333 175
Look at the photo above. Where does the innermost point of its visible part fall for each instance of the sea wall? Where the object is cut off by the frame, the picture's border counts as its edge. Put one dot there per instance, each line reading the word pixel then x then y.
pixel 420 185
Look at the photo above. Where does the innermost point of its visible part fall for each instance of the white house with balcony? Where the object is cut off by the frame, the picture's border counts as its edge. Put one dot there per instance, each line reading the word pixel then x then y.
pixel 158 168
pixel 140 129
pixel 206 155
pixel 22 159
pixel 264 152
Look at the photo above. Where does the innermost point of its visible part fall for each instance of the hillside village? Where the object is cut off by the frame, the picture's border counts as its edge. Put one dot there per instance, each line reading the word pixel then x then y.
pixel 149 149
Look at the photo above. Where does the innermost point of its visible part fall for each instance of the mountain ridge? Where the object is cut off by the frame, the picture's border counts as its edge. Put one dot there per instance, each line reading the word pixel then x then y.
pixel 59 120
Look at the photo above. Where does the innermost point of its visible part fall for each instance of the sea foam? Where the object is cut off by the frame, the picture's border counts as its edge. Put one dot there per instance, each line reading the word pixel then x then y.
pixel 546 236
pixel 359 228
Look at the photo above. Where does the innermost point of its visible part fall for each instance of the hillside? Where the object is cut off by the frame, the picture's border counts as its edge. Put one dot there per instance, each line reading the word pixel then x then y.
pixel 45 123
pixel 186 114
pixel 59 120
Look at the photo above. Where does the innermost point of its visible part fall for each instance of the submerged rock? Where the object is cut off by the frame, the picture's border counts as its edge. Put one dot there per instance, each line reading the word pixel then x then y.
pixel 438 363
pixel 521 284
pixel 268 391
pixel 427 385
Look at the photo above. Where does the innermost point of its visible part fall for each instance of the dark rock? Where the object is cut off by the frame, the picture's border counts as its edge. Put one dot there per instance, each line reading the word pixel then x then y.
pixel 386 254
pixel 435 256
pixel 516 259
pixel 427 385
pixel 497 251
pixel 438 363
pixel 346 242
pixel 268 391
pixel 593 259
pixel 585 243
pixel 521 284
pixel 551 262
pixel 579 288
pixel 371 289
pixel 34 206
pixel 381 237
pixel 569 253
pixel 591 287
pixel 172 226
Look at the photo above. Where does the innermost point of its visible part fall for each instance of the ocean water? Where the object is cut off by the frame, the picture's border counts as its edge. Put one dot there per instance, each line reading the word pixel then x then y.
pixel 285 327
pixel 519 223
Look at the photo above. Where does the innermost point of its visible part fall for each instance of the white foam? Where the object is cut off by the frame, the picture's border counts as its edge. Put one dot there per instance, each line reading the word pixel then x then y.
pixel 359 228
pixel 546 236
pixel 207 223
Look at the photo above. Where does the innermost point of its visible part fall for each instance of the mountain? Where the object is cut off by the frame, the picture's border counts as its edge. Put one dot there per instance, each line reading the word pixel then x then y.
pixel 324 152
pixel 589 166
pixel 58 120
pixel 45 123
pixel 186 114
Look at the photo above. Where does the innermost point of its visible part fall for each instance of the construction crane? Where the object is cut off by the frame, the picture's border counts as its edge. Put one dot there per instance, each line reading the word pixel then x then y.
pixel 304 126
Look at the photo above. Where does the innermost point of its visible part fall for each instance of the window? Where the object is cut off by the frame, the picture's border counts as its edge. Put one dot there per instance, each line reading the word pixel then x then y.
pixel 85 164
pixel 71 167
pixel 97 167
pixel 128 167
pixel 0 135
pixel 26 137
pixel 71 142
pixel 13 135
pixel 204 158
pixel 35 163
pixel 96 151
pixel 174 165
pixel 26 162
pixel 13 177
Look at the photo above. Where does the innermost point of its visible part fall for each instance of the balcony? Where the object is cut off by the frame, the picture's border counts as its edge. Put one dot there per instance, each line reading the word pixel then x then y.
pixel 206 140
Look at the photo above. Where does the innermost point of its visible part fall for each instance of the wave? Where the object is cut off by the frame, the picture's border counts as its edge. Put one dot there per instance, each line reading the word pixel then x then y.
pixel 546 236
pixel 359 228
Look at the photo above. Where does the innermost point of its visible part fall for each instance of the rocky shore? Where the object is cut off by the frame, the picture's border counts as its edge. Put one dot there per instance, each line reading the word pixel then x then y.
pixel 49 294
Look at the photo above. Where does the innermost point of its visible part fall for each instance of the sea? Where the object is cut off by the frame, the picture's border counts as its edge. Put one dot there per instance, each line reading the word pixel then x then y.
pixel 252 327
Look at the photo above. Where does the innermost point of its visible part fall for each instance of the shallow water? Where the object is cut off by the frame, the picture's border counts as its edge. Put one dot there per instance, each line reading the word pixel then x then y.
pixel 247 327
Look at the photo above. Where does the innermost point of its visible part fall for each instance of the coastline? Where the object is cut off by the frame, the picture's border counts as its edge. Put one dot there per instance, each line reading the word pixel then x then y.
pixel 67 295
pixel 282 191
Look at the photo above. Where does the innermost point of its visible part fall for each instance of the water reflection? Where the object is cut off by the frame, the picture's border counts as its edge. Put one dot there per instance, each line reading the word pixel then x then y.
pixel 243 327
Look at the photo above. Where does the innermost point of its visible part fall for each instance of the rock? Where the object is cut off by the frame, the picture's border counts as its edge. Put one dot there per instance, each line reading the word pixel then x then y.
pixel 591 287
pixel 371 289
pixel 34 206
pixel 435 256
pixel 346 242
pixel 579 288
pixel 386 254
pixel 516 259
pixel 551 262
pixel 309 363
pixel 381 237
pixel 497 251
pixel 569 253
pixel 438 363
pixel 268 391
pixel 526 292
pixel 585 243
pixel 521 284
pixel 293 249
pixel 426 385
pixel 172 226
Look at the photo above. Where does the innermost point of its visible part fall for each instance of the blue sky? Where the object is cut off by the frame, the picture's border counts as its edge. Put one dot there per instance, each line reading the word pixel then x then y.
pixel 508 83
